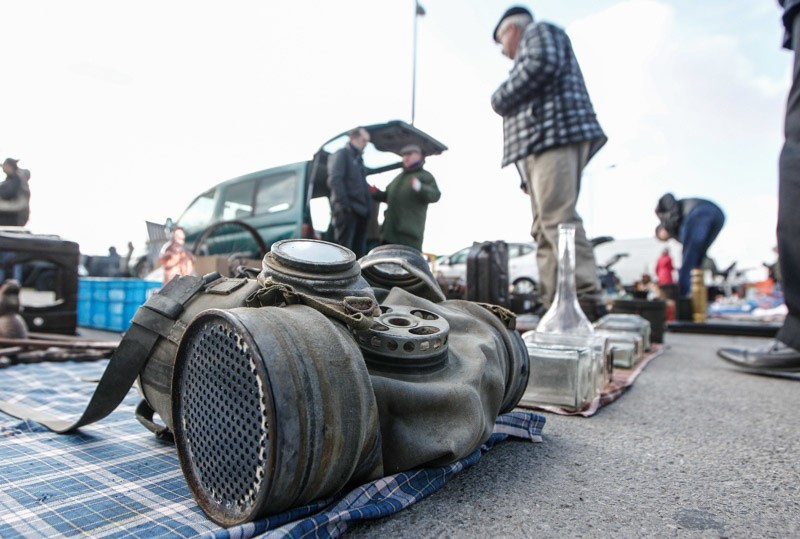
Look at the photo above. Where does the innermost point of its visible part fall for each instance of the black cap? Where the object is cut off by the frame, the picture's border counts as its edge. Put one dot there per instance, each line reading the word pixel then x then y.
pixel 510 12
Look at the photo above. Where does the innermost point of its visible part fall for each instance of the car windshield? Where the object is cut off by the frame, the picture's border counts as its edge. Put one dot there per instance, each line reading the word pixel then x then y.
pixel 200 213
pixel 460 257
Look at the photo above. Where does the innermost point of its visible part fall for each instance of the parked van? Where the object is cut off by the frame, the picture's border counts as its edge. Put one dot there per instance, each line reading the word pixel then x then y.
pixel 246 215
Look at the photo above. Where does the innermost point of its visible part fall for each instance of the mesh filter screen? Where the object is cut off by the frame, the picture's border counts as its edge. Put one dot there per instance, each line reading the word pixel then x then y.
pixel 225 418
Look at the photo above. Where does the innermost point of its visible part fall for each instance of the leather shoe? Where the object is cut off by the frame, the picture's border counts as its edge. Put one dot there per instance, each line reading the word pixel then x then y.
pixel 594 309
pixel 776 356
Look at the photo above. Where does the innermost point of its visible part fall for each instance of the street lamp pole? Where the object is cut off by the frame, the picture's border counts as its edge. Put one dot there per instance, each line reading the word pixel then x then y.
pixel 419 11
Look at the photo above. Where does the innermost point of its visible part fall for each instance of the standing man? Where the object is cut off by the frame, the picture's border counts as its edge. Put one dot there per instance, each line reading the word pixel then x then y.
pixel 350 195
pixel 695 222
pixel 784 353
pixel 551 132
pixel 14 195
pixel 407 198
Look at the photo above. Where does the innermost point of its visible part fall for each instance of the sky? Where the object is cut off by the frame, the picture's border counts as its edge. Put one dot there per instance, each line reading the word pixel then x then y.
pixel 124 112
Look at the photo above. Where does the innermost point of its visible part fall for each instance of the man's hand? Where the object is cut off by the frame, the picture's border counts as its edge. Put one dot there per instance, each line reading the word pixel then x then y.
pixel 416 185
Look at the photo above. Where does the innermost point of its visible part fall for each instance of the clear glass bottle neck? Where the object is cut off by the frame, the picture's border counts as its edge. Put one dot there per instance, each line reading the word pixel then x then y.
pixel 565 315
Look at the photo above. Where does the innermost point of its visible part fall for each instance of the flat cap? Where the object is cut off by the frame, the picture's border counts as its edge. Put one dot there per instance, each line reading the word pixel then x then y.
pixel 510 12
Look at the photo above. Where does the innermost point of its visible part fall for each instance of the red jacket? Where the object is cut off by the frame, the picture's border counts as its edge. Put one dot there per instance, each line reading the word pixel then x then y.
pixel 664 269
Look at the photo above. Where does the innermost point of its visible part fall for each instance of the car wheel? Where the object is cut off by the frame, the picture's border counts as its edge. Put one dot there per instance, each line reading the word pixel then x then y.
pixel 523 287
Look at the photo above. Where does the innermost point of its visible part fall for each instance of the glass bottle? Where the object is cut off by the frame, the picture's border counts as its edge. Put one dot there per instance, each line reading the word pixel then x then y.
pixel 565 315
pixel 567 362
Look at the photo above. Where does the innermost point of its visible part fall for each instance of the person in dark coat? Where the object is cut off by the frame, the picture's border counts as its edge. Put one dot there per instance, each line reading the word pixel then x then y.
pixel 351 201
pixel 783 354
pixel 407 198
pixel 14 195
pixel 550 133
pixel 695 223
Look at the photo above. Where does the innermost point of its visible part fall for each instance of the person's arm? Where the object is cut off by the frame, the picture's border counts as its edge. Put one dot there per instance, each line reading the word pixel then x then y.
pixel 428 190
pixel 170 255
pixel 538 63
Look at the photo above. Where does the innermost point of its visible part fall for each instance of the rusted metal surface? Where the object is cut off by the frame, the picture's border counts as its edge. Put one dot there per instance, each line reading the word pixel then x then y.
pixel 323 272
pixel 273 408
pixel 156 376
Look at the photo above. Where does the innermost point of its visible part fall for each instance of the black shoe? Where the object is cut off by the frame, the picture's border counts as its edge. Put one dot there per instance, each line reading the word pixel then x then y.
pixel 593 308
pixel 777 357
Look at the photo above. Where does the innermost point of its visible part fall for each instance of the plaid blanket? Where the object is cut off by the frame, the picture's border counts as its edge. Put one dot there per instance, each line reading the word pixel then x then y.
pixel 115 479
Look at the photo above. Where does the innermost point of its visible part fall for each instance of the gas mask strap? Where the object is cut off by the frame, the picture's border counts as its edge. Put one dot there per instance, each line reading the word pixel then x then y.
pixel 506 316
pixel 354 311
pixel 145 414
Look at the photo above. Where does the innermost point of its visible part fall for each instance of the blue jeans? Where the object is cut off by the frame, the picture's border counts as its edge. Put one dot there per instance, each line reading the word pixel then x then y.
pixel 698 231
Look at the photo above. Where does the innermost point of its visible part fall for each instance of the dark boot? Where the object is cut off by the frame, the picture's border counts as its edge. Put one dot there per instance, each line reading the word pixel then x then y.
pixel 593 308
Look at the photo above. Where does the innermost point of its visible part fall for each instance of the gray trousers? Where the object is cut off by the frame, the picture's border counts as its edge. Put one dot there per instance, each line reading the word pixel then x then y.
pixel 553 178
pixel 789 202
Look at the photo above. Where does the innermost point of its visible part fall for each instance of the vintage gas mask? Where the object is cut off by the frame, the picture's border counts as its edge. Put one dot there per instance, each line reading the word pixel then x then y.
pixel 289 387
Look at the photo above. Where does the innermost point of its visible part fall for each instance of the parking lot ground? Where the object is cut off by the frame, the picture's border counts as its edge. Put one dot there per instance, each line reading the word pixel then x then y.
pixel 693 449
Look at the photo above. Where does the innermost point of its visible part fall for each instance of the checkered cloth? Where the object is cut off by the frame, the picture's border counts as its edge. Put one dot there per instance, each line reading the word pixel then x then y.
pixel 115 479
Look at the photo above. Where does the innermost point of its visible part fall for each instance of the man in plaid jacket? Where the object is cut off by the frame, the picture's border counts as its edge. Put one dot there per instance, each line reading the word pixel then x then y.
pixel 550 133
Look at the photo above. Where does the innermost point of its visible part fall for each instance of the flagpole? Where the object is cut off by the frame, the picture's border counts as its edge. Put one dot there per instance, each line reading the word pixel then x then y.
pixel 418 12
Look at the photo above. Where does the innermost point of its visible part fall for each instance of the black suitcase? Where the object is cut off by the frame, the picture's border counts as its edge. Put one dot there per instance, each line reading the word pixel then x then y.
pixel 487 273
pixel 47 269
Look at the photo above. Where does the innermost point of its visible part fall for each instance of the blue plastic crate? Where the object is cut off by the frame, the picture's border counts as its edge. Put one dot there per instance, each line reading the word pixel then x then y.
pixel 110 304
pixel 84 312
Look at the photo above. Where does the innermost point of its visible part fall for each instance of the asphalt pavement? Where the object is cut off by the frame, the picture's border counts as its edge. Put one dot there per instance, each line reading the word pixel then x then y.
pixel 693 449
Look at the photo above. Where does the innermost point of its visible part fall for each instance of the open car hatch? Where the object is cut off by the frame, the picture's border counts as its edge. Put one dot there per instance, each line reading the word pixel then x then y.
pixel 386 138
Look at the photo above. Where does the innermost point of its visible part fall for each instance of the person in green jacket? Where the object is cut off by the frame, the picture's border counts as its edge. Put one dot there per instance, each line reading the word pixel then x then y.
pixel 407 198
